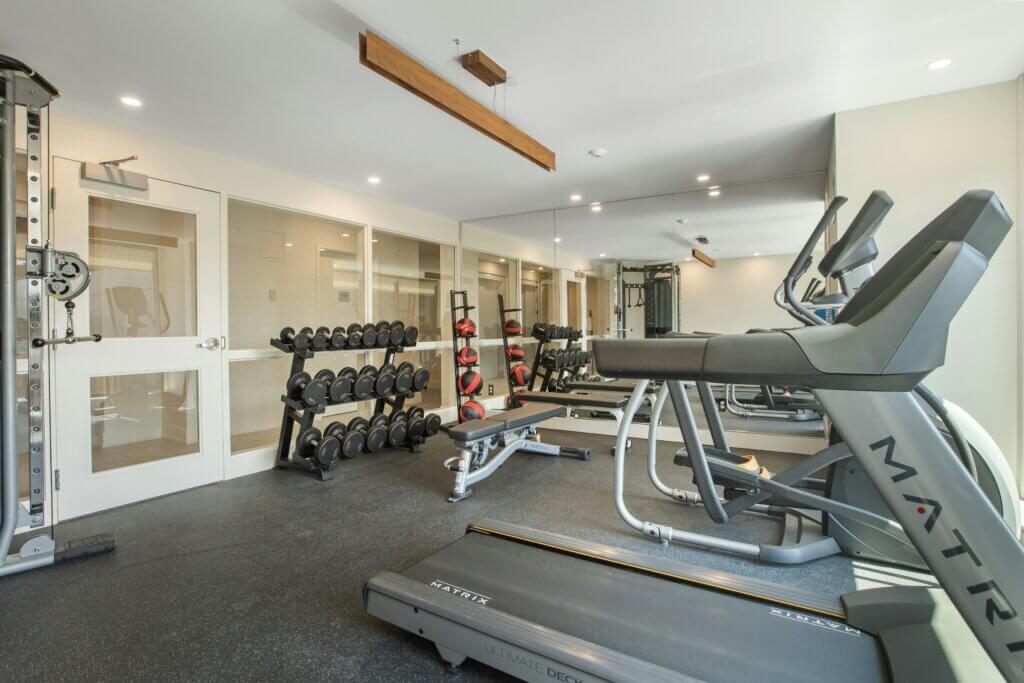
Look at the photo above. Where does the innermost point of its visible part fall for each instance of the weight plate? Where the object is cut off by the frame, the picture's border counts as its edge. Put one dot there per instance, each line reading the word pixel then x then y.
pixel 341 389
pixel 432 424
pixel 397 433
pixel 420 378
pixel 378 420
pixel 376 439
pixel 415 413
pixel 385 384
pixel 335 429
pixel 362 388
pixel 399 416
pixel 326 452
pixel 358 424
pixel 315 393
pixel 296 383
pixel 417 429
pixel 326 375
pixel 338 340
pixel 403 383
pixel 412 333
pixel 352 445
pixel 397 333
pixel 306 441
pixel 349 372
pixel 406 367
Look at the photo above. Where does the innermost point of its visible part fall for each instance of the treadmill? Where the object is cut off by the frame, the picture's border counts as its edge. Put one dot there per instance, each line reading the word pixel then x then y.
pixel 543 606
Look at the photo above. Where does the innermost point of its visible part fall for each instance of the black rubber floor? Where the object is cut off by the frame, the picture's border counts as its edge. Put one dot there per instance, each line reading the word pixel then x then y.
pixel 260 578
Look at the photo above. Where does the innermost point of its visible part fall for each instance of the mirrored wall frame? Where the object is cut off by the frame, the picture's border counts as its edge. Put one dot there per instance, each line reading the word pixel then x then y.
pixel 484 276
pixel 288 267
pixel 411 278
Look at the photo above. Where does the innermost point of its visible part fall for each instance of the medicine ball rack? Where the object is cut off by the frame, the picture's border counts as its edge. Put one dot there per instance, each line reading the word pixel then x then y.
pixel 298 412
pixel 459 311
pixel 512 387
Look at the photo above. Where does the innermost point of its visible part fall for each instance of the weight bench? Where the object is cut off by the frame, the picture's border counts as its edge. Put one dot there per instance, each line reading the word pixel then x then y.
pixel 613 405
pixel 514 431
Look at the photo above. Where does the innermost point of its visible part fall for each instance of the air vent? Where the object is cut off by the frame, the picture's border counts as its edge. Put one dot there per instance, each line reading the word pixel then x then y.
pixel 702 239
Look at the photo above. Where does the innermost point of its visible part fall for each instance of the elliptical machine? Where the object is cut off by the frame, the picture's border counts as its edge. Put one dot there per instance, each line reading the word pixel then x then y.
pixel 853 517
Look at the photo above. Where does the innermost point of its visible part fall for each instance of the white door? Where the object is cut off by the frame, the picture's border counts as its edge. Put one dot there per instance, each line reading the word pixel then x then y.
pixel 139 414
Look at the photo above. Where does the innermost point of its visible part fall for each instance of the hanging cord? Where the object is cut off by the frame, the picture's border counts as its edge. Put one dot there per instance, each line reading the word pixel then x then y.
pixel 458 62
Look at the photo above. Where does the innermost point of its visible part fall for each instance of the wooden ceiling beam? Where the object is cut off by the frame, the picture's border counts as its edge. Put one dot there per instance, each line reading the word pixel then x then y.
pixel 398 67
pixel 703 258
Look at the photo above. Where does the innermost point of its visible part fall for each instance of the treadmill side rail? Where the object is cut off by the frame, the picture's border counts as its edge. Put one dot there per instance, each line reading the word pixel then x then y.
pixel 516 646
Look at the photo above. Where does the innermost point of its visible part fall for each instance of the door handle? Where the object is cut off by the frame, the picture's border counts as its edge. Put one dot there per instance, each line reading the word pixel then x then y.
pixel 211 344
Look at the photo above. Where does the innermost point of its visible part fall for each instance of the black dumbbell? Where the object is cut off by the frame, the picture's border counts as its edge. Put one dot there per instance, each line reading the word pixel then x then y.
pixel 397 333
pixel 412 333
pixel 432 422
pixel 398 429
pixel 312 392
pixel 351 442
pixel 386 380
pixel 322 450
pixel 326 376
pixel 420 378
pixel 365 382
pixel 340 389
pixel 404 378
pixel 383 334
pixel 339 338
pixel 417 425
pixel 322 338
pixel 369 336
pixel 299 342
pixel 376 434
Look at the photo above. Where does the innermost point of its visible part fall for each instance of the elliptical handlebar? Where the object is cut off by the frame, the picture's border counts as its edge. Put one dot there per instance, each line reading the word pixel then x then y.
pixel 803 262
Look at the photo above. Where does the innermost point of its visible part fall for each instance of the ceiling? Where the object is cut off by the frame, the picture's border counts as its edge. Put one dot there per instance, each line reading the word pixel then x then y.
pixel 769 217
pixel 672 88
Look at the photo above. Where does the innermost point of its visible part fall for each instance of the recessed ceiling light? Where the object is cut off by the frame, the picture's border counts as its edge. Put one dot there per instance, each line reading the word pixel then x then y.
pixel 575 197
pixel 940 64
pixel 344 234
pixel 540 268
pixel 602 255
pixel 714 193
pixel 596 208
pixel 288 244
pixel 757 253
pixel 502 260
pixel 375 241
pixel 713 187
pixel 373 180
pixel 597 152
pixel 703 178
pixel 131 101
pixel 687 259
pixel 558 240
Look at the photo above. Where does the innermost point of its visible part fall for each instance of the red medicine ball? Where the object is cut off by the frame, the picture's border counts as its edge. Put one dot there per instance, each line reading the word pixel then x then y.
pixel 465 328
pixel 469 383
pixel 513 328
pixel 515 352
pixel 471 410
pixel 520 375
pixel 468 356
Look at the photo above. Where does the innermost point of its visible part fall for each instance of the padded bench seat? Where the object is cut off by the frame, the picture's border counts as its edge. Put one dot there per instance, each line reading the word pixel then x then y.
pixel 499 422
pixel 574 400
pixel 616 387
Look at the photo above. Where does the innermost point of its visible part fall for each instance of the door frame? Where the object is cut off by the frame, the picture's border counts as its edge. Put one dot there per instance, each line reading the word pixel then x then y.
pixel 55 314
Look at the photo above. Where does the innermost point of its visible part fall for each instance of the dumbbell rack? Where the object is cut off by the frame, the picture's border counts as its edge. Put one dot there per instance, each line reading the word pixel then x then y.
pixel 503 312
pixel 547 378
pixel 297 413
pixel 459 311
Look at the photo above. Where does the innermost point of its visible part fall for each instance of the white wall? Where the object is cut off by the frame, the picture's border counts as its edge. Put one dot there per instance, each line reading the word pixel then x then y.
pixel 734 296
pixel 925 153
